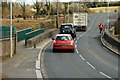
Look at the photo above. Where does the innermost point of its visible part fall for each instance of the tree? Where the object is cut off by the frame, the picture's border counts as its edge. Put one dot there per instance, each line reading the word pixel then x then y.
pixel 37 7
pixel 23 8
pixel 5 8
pixel 65 7
pixel 48 5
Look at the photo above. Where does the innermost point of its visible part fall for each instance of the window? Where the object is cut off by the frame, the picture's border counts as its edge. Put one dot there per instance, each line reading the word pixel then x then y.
pixel 63 38
pixel 66 26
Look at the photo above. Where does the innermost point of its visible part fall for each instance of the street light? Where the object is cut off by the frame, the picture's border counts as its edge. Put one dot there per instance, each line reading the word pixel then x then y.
pixel 11 28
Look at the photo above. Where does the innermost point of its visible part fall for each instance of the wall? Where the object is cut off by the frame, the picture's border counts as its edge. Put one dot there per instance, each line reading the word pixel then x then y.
pixel 5 43
pixel 35 40
pixel 33 34
pixel 114 42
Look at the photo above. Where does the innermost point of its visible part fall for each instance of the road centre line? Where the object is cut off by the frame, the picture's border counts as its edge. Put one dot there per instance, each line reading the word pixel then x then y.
pixel 90 65
pixel 81 57
pixel 77 51
pixel 87 30
pixel 105 75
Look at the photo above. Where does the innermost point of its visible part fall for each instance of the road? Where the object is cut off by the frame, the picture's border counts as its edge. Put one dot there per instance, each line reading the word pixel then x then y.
pixel 90 60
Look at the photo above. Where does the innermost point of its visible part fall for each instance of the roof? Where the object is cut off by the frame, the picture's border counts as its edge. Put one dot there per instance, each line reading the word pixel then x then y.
pixel 63 35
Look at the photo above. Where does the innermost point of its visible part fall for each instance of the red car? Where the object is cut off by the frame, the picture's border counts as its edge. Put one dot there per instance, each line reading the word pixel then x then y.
pixel 63 42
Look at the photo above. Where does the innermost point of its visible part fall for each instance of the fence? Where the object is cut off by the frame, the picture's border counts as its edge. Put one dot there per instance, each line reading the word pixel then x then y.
pixel 32 34
pixel 5 32
pixel 21 34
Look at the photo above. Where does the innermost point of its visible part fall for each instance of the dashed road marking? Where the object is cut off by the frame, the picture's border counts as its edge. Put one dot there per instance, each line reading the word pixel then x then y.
pixel 78 38
pixel 81 57
pixel 91 65
pixel 76 42
pixel 77 51
pixel 105 75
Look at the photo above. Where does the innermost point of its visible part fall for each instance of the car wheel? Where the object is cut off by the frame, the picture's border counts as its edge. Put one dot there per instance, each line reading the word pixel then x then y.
pixel 54 50
pixel 73 50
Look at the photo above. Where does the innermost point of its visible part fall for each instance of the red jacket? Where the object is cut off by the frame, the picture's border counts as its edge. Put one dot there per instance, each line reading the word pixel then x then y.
pixel 101 27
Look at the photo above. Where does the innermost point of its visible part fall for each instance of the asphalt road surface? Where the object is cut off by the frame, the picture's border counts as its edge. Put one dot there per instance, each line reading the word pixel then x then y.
pixel 90 59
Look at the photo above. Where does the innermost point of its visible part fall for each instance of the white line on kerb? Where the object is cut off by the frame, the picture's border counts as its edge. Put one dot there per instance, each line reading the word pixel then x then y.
pixel 77 51
pixel 38 73
pixel 105 75
pixel 81 57
pixel 90 65
pixel 37 64
pixel 39 54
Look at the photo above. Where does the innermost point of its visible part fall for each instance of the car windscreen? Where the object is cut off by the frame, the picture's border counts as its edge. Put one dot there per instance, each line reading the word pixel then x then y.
pixel 66 26
pixel 63 38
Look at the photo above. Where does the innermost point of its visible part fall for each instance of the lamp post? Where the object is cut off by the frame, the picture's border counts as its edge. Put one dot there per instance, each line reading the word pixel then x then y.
pixel 11 28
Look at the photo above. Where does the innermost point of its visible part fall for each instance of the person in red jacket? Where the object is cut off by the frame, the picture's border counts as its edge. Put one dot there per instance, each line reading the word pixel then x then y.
pixel 101 27
pixel 63 21
pixel 100 24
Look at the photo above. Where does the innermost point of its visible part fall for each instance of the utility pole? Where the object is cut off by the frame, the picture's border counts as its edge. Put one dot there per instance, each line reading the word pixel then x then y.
pixel 78 5
pixel 11 28
pixel 108 13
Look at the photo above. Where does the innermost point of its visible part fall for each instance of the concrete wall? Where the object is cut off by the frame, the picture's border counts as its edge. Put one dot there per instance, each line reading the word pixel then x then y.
pixel 114 42
pixel 35 40
pixel 5 46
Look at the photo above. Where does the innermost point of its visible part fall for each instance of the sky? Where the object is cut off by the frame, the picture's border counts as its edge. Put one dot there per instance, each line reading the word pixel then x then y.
pixel 30 2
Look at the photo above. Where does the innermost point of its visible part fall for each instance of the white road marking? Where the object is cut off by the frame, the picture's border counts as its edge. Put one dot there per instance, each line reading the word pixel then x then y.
pixel 77 51
pixel 91 65
pixel 76 42
pixel 38 73
pixel 78 38
pixel 87 30
pixel 39 54
pixel 37 64
pixel 81 57
pixel 105 75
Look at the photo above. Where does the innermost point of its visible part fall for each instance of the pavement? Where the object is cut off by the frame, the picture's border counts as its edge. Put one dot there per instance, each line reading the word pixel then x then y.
pixel 23 64
pixel 90 60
